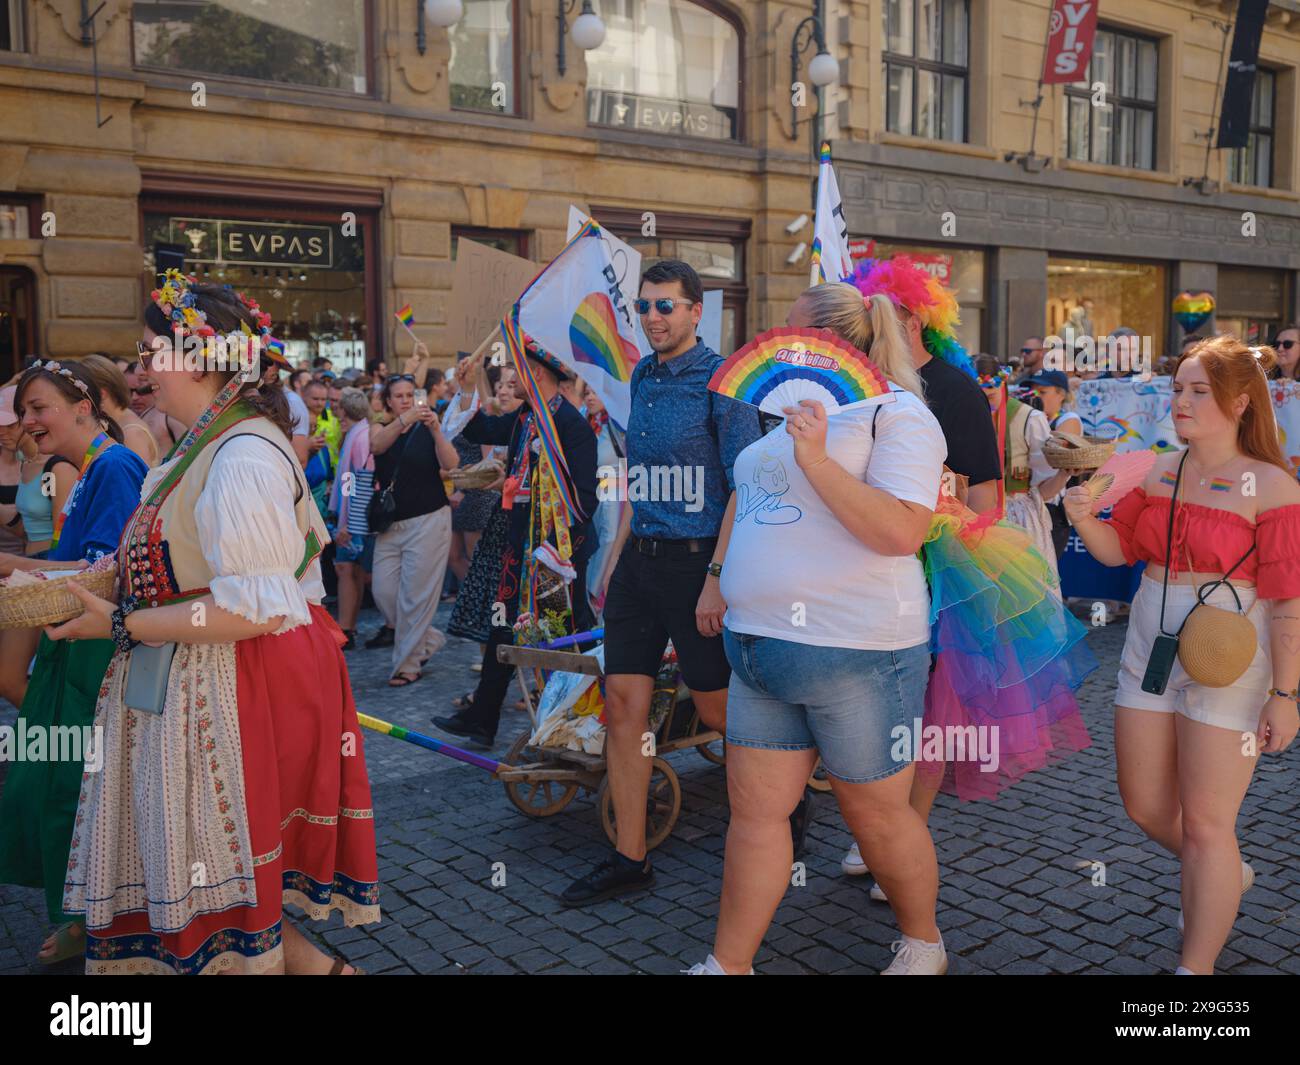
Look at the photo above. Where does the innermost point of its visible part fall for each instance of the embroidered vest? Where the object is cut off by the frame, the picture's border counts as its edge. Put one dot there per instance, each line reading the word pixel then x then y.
pixel 162 543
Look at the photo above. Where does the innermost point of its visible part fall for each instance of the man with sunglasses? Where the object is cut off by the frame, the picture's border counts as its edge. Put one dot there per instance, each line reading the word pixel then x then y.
pixel 1031 358
pixel 665 584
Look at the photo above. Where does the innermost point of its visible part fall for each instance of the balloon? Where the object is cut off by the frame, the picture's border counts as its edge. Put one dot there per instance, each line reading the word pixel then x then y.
pixel 1193 311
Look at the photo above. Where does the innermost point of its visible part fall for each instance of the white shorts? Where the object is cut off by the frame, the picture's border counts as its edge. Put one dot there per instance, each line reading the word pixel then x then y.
pixel 1236 707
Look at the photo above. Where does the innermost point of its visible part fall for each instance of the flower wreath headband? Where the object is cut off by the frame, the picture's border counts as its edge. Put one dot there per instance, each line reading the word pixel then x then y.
pixel 986 380
pixel 178 304
pixel 51 366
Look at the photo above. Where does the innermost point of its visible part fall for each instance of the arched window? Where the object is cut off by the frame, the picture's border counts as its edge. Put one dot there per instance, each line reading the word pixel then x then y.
pixel 667 66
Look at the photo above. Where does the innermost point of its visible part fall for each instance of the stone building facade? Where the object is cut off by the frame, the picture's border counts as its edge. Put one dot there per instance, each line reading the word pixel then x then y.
pixel 329 156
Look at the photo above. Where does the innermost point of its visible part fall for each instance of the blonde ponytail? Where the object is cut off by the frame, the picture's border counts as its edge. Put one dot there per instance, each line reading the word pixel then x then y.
pixel 871 326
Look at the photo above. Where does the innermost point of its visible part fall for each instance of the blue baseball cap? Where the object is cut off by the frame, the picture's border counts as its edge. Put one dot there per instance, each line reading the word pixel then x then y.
pixel 1052 378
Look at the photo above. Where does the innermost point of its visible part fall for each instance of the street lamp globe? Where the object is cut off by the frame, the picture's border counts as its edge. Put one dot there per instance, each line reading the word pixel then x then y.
pixel 823 70
pixel 444 13
pixel 588 29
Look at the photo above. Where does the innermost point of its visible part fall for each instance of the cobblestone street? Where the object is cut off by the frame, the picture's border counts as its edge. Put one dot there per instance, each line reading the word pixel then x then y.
pixel 1017 893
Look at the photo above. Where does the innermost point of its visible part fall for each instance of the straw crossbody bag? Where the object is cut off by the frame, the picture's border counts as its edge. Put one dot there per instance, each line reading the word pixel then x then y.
pixel 1215 646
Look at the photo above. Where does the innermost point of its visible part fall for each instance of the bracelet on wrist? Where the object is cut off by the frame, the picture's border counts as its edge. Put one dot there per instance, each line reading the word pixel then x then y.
pixel 1282 693
pixel 121 637
pixel 812 465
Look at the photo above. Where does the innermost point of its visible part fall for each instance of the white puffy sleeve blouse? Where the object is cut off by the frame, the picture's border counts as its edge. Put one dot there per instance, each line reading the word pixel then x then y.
pixel 251 539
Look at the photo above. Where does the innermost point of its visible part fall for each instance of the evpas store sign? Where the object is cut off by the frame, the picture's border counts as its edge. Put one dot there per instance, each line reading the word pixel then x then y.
pixel 237 242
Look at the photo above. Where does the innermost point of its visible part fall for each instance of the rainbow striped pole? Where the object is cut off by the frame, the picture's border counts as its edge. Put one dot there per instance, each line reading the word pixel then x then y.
pixel 569 641
pixel 428 743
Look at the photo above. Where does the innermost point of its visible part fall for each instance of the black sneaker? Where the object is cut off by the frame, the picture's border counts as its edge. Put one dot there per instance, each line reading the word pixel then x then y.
pixel 383 638
pixel 475 738
pixel 800 819
pixel 351 643
pixel 614 876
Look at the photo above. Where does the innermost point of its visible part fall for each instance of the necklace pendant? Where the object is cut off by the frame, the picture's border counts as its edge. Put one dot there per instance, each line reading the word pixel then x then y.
pixel 1202 482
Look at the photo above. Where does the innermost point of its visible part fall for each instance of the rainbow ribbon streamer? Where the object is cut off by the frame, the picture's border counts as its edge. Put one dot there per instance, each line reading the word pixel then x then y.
pixel 428 742
pixel 545 420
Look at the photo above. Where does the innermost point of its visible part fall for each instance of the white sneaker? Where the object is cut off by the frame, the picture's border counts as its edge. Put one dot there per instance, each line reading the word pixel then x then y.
pixel 852 864
pixel 915 957
pixel 709 967
pixel 877 893
pixel 1247 882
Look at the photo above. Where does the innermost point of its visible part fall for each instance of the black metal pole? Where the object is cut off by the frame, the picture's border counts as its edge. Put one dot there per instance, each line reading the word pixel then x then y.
pixel 421 41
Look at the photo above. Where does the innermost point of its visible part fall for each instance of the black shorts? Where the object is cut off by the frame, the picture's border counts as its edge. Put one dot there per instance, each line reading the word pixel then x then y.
pixel 652 600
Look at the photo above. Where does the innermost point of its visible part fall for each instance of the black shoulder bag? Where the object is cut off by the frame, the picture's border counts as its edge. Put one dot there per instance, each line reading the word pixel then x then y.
pixel 383 505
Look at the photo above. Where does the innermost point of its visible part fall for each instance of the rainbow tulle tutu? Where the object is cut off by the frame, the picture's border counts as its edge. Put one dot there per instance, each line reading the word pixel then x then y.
pixel 1008 655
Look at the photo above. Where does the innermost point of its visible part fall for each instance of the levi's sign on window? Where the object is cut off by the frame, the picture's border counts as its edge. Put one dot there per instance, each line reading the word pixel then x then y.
pixel 212 240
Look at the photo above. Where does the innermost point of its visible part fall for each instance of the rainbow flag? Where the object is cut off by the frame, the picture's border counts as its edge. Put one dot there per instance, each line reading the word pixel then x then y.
pixel 406 316
pixel 275 348
pixel 1221 484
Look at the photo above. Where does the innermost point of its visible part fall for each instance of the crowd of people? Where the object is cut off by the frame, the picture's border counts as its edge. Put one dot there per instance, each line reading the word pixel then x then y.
pixel 845 575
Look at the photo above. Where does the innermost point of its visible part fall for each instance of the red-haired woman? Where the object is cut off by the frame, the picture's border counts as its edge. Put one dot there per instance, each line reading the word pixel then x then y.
pixel 1185 757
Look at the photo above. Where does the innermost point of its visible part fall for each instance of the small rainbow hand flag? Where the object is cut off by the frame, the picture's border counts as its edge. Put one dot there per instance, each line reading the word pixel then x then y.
pixel 406 316
pixel 275 349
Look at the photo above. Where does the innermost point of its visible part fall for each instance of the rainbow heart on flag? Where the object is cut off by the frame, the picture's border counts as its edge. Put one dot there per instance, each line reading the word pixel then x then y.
pixel 1192 312
pixel 781 367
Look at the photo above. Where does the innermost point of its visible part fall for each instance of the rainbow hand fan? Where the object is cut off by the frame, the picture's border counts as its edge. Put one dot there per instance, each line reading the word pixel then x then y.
pixel 779 368
pixel 1118 477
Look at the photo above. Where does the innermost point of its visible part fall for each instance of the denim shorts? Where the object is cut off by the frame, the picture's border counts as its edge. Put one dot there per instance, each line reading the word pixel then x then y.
pixel 359 550
pixel 851 705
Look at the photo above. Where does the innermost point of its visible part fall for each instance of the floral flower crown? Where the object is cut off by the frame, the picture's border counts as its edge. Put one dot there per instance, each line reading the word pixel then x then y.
pixel 51 366
pixel 986 380
pixel 177 302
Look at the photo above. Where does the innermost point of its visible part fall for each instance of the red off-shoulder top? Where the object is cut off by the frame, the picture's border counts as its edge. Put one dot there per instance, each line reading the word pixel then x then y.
pixel 1215 538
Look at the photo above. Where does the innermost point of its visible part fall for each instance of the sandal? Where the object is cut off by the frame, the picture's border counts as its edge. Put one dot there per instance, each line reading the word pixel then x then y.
pixel 337 968
pixel 66 945
pixel 403 680
pixel 463 702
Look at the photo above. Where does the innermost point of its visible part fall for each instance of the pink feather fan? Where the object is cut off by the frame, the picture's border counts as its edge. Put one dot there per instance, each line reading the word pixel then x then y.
pixel 1118 477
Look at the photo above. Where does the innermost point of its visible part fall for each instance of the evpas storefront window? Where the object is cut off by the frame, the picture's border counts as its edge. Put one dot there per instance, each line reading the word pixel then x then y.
pixel 319 43
pixel 1251 303
pixel 667 66
pixel 482 64
pixel 309 277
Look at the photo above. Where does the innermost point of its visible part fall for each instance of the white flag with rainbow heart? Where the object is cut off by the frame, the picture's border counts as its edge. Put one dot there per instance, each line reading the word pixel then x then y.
pixel 575 310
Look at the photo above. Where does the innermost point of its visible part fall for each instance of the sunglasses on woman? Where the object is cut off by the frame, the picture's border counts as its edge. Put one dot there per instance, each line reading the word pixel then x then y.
pixel 664 306
pixel 1287 345
pixel 399 377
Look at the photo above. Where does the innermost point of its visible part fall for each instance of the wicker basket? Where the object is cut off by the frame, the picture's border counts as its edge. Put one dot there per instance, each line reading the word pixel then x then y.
pixel 1069 451
pixel 479 475
pixel 50 602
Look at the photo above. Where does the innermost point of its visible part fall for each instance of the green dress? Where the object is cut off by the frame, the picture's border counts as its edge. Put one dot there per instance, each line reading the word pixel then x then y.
pixel 38 804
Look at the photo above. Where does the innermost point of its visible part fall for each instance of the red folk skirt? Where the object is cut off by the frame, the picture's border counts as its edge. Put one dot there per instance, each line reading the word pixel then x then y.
pixel 310 819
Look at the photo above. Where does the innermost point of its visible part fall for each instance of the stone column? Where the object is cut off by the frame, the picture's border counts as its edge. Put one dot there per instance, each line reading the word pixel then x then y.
pixel 1017 298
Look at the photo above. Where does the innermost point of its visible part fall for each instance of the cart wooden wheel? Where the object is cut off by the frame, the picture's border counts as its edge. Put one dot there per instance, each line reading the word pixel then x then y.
pixel 818 780
pixel 715 752
pixel 536 798
pixel 663 804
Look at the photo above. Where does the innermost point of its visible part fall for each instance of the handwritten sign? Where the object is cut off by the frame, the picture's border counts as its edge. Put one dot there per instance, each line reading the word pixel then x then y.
pixel 485 284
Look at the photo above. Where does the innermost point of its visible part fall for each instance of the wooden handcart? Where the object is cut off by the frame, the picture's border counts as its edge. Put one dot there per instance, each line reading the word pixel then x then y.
pixel 542 781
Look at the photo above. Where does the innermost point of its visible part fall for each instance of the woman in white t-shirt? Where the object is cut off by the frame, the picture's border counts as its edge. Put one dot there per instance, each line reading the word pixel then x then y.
pixel 827 632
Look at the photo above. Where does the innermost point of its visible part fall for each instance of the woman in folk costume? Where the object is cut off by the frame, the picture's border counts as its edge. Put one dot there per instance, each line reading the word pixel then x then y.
pixel 549 493
pixel 1028 481
pixel 60 407
pixel 234 777
pixel 1008 657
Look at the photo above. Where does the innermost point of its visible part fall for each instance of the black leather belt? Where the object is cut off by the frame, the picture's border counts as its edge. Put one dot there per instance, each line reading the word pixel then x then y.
pixel 673 548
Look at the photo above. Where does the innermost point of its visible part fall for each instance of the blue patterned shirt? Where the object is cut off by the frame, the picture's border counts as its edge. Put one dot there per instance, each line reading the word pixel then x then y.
pixel 683 436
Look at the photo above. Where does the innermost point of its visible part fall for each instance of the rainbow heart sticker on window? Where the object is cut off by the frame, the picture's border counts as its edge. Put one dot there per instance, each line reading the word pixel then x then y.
pixel 1192 312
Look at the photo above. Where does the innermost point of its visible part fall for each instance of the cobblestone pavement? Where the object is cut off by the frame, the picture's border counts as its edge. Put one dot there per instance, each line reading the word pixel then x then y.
pixel 1017 894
